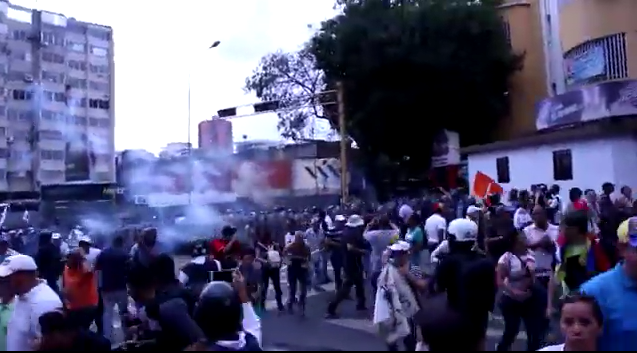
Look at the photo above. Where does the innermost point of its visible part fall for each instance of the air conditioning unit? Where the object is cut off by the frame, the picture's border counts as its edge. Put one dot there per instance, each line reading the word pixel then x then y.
pixel 28 78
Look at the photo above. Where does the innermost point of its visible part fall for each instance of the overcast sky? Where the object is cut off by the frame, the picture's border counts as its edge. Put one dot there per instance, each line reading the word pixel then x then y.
pixel 157 45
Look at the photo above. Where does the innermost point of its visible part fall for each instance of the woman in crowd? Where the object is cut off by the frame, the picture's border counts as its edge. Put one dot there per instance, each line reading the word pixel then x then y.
pixel 298 255
pixel 268 255
pixel 581 324
pixel 523 299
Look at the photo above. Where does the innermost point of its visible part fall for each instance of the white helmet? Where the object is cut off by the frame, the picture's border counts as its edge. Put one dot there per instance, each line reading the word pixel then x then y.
pixel 463 229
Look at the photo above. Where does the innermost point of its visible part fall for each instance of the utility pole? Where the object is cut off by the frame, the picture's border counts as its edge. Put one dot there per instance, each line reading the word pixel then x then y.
pixel 344 140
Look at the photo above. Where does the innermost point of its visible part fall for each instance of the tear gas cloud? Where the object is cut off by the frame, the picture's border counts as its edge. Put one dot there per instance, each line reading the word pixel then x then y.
pixel 141 177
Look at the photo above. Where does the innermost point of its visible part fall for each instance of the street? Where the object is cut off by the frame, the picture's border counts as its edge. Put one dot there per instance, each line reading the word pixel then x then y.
pixel 352 331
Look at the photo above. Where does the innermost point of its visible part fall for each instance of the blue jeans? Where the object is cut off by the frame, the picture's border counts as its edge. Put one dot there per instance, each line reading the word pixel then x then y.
pixel 110 299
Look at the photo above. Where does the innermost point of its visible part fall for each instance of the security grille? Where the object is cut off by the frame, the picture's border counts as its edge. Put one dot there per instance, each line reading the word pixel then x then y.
pixel 597 60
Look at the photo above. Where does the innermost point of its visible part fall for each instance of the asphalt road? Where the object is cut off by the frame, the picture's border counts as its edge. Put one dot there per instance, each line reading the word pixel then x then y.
pixel 352 331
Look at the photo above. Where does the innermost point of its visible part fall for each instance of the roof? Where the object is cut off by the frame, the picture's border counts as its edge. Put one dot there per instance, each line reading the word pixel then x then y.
pixel 599 128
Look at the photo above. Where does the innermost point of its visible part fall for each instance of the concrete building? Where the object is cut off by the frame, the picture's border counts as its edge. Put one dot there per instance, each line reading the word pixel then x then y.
pixel 216 135
pixel 568 44
pixel 574 105
pixel 56 101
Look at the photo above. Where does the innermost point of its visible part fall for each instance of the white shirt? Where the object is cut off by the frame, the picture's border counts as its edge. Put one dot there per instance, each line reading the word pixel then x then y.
pixel 441 249
pixel 24 325
pixel 521 218
pixel 433 225
pixel 91 257
pixel 543 258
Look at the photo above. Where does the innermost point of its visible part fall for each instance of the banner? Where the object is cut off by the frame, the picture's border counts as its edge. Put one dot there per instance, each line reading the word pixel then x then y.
pixel 594 102
pixel 446 149
pixel 78 159
pixel 583 65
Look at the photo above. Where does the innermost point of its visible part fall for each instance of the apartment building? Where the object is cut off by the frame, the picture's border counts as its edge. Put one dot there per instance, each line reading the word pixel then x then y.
pixel 569 45
pixel 56 101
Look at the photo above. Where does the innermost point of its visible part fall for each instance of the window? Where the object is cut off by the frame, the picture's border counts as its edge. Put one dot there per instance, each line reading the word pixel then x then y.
pixel 98 51
pixel 103 34
pixel 76 65
pixel 502 165
pixel 52 155
pixel 4 153
pixel 19 35
pixel 51 135
pixel 98 86
pixel 562 165
pixel 597 60
pixel 50 38
pixel 75 46
pixel 52 58
pixel 52 77
pixel 76 82
pixel 22 95
pixel 15 76
pixel 99 104
pixel 99 69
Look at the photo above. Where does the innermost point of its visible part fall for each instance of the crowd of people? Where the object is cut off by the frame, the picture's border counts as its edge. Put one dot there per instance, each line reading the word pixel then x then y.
pixel 437 268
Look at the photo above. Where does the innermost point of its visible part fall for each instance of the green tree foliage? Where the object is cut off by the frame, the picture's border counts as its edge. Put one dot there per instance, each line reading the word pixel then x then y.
pixel 411 68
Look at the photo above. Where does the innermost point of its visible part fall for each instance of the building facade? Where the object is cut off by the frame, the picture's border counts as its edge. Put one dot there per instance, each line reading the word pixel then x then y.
pixel 569 46
pixel 216 135
pixel 56 101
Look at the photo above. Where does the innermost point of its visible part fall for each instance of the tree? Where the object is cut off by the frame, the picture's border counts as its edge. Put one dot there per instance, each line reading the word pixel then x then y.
pixel 293 84
pixel 411 68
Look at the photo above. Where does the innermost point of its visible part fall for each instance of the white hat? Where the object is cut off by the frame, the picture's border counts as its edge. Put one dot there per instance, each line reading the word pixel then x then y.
pixel 56 236
pixel 463 229
pixel 85 239
pixel 17 263
pixel 472 209
pixel 405 211
pixel 339 218
pixel 400 246
pixel 355 221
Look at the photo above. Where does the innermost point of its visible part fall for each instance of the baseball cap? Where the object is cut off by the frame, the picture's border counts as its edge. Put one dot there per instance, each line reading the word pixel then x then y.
pixel 339 218
pixel 56 236
pixel 627 232
pixel 17 263
pixel 472 209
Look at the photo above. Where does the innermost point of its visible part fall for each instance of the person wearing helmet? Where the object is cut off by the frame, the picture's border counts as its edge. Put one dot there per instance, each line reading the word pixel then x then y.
pixel 196 274
pixel 226 317
pixel 467 276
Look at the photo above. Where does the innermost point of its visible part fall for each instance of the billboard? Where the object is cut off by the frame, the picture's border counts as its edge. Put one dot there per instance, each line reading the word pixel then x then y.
pixel 181 181
pixel 589 103
pixel 446 149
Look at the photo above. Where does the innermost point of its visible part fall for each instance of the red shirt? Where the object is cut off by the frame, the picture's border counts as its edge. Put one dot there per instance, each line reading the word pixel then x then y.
pixel 218 245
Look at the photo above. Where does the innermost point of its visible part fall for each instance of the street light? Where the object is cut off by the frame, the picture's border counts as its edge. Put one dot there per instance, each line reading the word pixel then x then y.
pixel 212 46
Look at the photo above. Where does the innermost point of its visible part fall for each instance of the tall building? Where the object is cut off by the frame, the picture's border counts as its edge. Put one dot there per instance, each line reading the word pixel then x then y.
pixel 216 134
pixel 56 102
pixel 568 45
